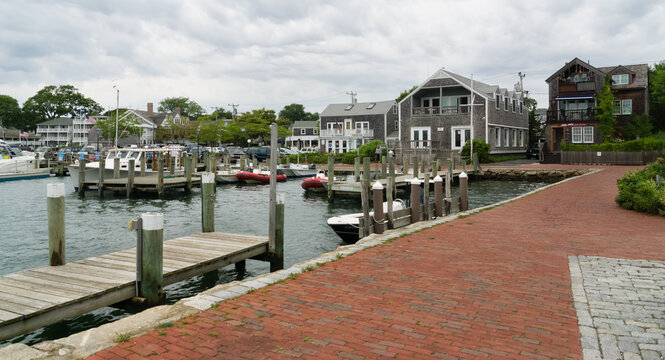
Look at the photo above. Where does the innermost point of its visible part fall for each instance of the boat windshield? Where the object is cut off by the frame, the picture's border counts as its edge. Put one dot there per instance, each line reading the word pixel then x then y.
pixel 134 155
pixel 5 153
pixel 122 154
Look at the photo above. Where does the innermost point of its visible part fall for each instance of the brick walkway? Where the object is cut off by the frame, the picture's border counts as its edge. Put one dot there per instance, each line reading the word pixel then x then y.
pixel 492 285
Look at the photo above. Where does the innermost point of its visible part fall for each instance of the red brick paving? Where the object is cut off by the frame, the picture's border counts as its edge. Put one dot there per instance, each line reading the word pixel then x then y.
pixel 492 285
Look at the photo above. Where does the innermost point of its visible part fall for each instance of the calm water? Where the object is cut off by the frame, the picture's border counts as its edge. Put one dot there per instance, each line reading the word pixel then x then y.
pixel 97 226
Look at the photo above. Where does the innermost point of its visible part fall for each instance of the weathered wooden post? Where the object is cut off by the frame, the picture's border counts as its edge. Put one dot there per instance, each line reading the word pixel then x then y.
pixel 116 167
pixel 415 166
pixel 171 165
pixel 415 200
pixel 438 196
pixel 152 259
pixel 451 165
pixel 434 169
pixel 160 176
pixel 276 230
pixel 82 177
pixel 208 201
pixel 100 178
pixel 422 167
pixel 426 212
pixel 356 169
pixel 463 192
pixel 377 193
pixel 438 166
pixel 227 161
pixel 463 166
pixel 142 171
pixel 188 173
pixel 364 199
pixel 331 177
pixel 447 202
pixel 55 209
pixel 130 177
pixel 36 162
pixel 475 163
pixel 384 165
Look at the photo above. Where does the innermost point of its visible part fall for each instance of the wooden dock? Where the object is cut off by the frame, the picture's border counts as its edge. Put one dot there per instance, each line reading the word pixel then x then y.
pixel 143 183
pixel 38 297
pixel 352 188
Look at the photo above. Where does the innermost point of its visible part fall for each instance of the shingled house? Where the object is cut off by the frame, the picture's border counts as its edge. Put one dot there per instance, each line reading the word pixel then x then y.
pixel 573 89
pixel 435 118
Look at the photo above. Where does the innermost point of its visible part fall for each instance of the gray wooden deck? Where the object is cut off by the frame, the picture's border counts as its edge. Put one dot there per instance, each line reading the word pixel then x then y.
pixel 38 297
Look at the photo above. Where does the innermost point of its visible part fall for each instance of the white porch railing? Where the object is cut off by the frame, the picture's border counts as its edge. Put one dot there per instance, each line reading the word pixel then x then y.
pixel 358 133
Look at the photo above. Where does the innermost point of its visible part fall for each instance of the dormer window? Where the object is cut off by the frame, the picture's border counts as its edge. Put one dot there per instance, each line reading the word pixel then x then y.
pixel 371 106
pixel 621 79
pixel 348 107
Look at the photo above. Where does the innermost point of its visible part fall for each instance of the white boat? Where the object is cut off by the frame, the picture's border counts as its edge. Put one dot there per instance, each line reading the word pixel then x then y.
pixel 346 226
pixel 18 165
pixel 227 176
pixel 125 154
pixel 303 170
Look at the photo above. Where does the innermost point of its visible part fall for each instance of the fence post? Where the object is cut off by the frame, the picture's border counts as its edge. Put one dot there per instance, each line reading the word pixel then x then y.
pixel 152 259
pixel 438 196
pixel 55 209
pixel 82 177
pixel 331 177
pixel 100 178
pixel 130 177
pixel 415 200
pixel 463 192
pixel 208 202
pixel 377 193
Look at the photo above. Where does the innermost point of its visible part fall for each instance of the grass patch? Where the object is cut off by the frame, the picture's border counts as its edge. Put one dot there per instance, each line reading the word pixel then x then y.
pixel 161 333
pixel 293 276
pixel 309 268
pixel 507 157
pixel 215 335
pixel 165 325
pixel 121 338
pixel 214 306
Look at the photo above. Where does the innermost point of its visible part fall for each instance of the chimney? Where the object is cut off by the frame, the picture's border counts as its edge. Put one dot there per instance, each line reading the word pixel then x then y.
pixel 177 110
pixel 150 111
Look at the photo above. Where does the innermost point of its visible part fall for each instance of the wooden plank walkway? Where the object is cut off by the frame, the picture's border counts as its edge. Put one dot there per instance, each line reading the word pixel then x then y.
pixel 38 297
pixel 352 189
pixel 144 183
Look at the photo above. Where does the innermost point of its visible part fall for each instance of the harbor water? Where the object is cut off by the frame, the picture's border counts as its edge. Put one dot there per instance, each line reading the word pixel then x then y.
pixel 96 226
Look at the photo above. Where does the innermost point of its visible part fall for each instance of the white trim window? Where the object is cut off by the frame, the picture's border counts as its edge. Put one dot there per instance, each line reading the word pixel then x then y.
pixel 362 127
pixel 620 79
pixel 506 137
pixel 303 131
pixel 587 134
pixel 497 138
pixel 521 107
pixel 514 105
pixel 498 101
pixel 459 136
pixel 622 107
pixel 420 137
pixel 577 134
pixel 514 135
pixel 505 103
pixel 521 138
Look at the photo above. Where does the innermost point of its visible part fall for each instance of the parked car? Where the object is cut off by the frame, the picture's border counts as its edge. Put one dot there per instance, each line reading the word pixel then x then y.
pixel 260 152
pixel 533 151
pixel 235 152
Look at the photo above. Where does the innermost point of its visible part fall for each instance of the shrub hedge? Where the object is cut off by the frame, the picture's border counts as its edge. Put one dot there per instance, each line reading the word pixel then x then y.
pixel 646 144
pixel 479 147
pixel 639 191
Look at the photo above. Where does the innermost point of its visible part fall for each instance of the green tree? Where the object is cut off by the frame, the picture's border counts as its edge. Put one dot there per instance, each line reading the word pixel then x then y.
pixel 657 95
pixel 188 108
pixel 127 126
pixel 256 125
pixel 57 101
pixel 606 111
pixel 535 126
pixel 171 131
pixel 10 112
pixel 639 126
pixel 296 112
pixel 405 93
pixel 208 132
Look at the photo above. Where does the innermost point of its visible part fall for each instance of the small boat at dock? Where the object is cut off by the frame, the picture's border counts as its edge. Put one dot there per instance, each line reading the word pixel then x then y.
pixel 16 165
pixel 316 183
pixel 346 226
pixel 258 177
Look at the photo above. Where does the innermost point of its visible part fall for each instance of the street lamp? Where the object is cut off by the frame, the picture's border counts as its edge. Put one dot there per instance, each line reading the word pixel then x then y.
pixel 117 106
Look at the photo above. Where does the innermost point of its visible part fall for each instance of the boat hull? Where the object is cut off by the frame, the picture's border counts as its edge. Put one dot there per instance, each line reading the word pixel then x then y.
pixel 254 178
pixel 347 232
pixel 24 175
pixel 314 184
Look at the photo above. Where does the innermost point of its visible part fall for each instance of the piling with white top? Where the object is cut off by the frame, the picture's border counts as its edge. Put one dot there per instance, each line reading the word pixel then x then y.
pixel 208 202
pixel 463 192
pixel 188 173
pixel 116 167
pixel 100 178
pixel 426 211
pixel 276 211
pixel 377 193
pixel 55 209
pixel 152 259
pixel 438 196
pixel 415 200
pixel 130 177
pixel 81 183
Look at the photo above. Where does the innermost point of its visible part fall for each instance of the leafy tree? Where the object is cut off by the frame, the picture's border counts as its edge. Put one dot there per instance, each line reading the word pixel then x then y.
pixel 606 111
pixel 10 112
pixel 657 95
pixel 405 93
pixel 256 124
pixel 220 113
pixel 174 131
pixel 296 112
pixel 638 127
pixel 127 126
pixel 188 108
pixel 56 101
pixel 208 131
pixel 535 126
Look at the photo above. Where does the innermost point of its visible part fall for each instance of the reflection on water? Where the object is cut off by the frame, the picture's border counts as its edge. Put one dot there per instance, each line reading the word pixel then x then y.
pixel 96 226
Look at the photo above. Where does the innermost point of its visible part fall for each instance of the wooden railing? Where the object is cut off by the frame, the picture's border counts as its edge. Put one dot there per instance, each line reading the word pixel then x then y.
pixel 563 116
pixel 609 157
pixel 440 110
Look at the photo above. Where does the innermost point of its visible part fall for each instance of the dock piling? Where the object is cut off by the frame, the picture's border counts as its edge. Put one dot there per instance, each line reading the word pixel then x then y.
pixel 152 259
pixel 143 165
pixel 377 193
pixel 208 202
pixel 390 188
pixel 82 177
pixel 276 229
pixel 426 211
pixel 356 169
pixel 438 196
pixel 160 176
pixel 130 177
pixel 415 200
pixel 384 166
pixel 331 177
pixel 463 192
pixel 116 168
pixel 55 209
pixel 100 178
pixel 448 198
pixel 36 162
pixel 414 160
pixel 188 173
pixel 366 220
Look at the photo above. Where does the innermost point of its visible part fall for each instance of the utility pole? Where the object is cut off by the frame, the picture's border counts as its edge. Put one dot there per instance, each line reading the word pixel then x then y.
pixel 117 106
pixel 522 76
pixel 353 96
pixel 234 112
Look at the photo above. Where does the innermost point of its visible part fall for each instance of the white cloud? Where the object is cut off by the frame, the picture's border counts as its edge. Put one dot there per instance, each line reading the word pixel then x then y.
pixel 269 54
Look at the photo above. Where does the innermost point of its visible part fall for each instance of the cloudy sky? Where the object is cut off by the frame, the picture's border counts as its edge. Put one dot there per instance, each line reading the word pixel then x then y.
pixel 273 53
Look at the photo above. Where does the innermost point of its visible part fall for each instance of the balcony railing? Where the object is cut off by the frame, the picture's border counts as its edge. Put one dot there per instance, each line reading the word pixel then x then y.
pixel 564 116
pixel 440 110
pixel 356 133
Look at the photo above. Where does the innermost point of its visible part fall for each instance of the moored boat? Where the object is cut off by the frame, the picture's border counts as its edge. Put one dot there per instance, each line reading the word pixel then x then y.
pixel 346 226
pixel 316 183
pixel 258 177
pixel 16 165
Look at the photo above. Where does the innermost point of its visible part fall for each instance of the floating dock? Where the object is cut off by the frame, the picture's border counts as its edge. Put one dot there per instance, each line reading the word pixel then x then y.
pixel 38 297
